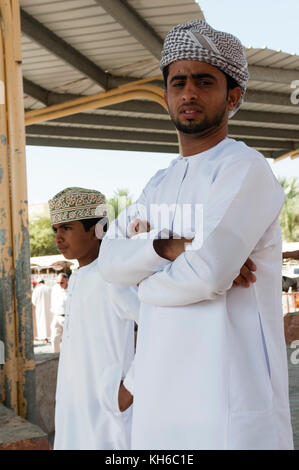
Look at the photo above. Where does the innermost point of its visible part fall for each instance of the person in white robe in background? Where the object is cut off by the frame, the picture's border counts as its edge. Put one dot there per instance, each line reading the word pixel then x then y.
pixel 211 365
pixel 58 305
pixel 95 370
pixel 41 300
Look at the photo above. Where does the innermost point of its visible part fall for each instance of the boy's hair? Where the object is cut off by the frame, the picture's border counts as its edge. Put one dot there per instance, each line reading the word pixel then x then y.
pixel 231 82
pixel 88 223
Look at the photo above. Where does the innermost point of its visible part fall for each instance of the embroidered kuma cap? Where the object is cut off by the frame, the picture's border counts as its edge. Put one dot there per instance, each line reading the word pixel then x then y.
pixel 77 204
pixel 196 40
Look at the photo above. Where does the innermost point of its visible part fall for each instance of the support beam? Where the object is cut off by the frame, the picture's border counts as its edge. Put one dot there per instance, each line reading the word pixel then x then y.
pixel 35 91
pixel 147 138
pixel 106 121
pixel 262 132
pixel 261 144
pixel 92 144
pixel 272 75
pixel 86 119
pixel 251 96
pixel 266 117
pixel 268 97
pixel 125 15
pixel 125 146
pixel 87 133
pixel 275 154
pixel 53 43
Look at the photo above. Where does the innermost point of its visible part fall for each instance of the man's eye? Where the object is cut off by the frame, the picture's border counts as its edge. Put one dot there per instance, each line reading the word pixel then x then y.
pixel 204 83
pixel 179 84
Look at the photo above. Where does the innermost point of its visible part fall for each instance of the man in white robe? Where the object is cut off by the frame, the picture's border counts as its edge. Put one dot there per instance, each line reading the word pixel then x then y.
pixel 41 300
pixel 211 364
pixel 97 350
pixel 58 304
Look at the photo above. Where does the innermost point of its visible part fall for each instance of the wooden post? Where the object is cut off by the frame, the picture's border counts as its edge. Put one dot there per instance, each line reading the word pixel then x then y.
pixel 18 388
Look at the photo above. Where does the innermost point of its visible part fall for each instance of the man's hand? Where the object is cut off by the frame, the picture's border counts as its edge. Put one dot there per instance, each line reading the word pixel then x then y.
pixel 138 226
pixel 246 276
pixel 171 248
pixel 125 399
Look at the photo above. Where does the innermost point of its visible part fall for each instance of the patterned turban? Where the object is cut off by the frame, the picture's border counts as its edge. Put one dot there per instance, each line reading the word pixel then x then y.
pixel 196 40
pixel 77 204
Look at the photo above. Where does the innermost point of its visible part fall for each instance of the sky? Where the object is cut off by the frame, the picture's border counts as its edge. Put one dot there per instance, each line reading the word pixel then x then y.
pixel 257 23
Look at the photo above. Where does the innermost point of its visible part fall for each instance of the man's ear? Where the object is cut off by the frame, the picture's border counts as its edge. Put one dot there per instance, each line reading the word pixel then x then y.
pixel 234 96
pixel 165 97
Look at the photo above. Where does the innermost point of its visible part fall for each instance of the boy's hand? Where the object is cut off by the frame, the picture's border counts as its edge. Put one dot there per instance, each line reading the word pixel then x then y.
pixel 125 399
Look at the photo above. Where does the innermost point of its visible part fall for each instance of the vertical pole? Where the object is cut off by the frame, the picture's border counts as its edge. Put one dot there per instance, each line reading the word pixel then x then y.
pixel 8 385
pixel 24 362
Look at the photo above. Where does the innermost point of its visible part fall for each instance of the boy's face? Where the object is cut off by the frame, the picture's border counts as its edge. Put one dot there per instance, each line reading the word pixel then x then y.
pixel 74 243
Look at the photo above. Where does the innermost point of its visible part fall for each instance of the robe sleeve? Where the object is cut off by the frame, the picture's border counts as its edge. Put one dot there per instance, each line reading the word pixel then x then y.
pixel 127 261
pixel 244 200
pixel 125 301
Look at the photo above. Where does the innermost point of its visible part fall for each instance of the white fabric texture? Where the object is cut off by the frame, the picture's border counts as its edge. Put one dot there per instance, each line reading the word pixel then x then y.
pixel 58 306
pixel 56 332
pixel 41 299
pixel 211 365
pixel 96 352
pixel 58 300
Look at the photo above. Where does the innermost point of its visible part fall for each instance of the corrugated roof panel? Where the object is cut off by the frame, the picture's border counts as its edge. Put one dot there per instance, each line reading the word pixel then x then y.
pixel 64 11
pixel 139 4
pixel 42 6
pixel 270 58
pixel 268 87
pixel 109 29
pixel 93 20
pixel 104 39
pixel 181 10
pixel 88 28
pixel 270 108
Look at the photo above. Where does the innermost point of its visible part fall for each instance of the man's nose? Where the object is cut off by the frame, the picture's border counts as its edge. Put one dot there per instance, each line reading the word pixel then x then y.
pixel 190 91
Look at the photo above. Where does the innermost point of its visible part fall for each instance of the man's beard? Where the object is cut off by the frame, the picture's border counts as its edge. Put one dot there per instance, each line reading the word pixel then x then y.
pixel 193 127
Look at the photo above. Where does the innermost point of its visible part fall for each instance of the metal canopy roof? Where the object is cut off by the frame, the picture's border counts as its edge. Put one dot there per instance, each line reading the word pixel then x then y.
pixel 81 47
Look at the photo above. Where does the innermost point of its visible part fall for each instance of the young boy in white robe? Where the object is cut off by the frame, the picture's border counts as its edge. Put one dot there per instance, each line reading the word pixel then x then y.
pixel 98 339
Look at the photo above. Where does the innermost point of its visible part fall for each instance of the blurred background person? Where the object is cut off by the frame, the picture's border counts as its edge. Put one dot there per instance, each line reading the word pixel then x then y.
pixel 33 286
pixel 291 255
pixel 58 302
pixel 41 299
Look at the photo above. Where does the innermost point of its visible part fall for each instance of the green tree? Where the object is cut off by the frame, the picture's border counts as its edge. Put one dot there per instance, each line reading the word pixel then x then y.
pixel 289 217
pixel 120 200
pixel 42 237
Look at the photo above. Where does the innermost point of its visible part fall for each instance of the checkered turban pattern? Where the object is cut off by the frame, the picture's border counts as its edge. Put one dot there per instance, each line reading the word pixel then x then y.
pixel 196 40
pixel 76 204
